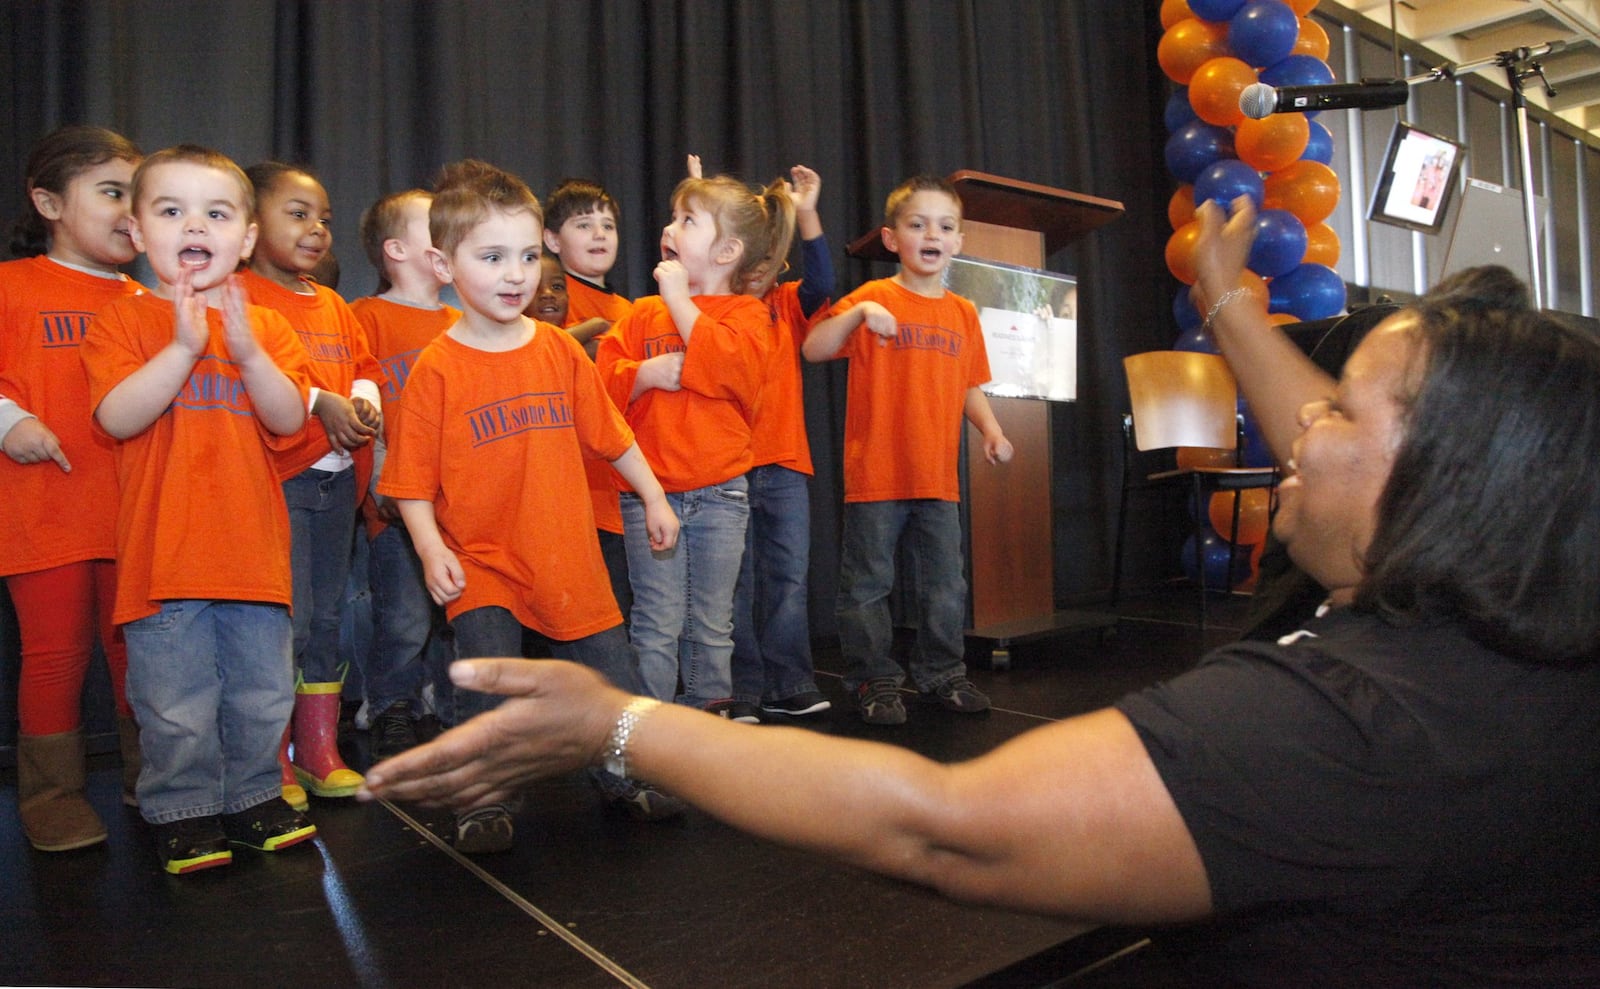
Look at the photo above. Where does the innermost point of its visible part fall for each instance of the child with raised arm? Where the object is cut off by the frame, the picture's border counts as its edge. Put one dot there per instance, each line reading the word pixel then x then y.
pixel 60 568
pixel 200 388
pixel 326 470
pixel 487 468
pixel 916 360
pixel 581 220
pixel 772 666
pixel 403 318
pixel 687 368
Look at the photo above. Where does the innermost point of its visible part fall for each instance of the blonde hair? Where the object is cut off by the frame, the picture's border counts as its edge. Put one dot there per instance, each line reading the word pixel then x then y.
pixel 195 154
pixel 381 221
pixel 762 221
pixel 910 187
pixel 464 194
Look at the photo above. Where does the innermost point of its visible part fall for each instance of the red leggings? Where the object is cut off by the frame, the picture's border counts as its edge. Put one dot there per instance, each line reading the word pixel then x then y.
pixel 60 612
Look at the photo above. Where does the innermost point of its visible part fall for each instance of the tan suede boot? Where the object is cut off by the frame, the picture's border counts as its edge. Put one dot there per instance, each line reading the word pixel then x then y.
pixel 50 778
pixel 132 760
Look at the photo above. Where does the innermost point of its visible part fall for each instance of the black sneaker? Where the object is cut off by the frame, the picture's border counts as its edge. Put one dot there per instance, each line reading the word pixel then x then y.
pixel 269 826
pixel 743 712
pixel 879 702
pixel 484 830
pixel 958 694
pixel 640 801
pixel 393 731
pixel 191 844
pixel 801 704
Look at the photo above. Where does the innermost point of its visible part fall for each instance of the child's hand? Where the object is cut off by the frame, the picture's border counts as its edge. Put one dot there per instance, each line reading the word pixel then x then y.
pixel 340 421
pixel 661 522
pixel 804 188
pixel 236 329
pixel 32 442
pixel 190 329
pixel 997 449
pixel 694 167
pixel 673 279
pixel 881 321
pixel 442 572
pixel 663 372
pixel 370 415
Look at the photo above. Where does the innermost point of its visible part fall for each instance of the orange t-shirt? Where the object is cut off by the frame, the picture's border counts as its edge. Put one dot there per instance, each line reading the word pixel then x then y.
pixel 778 435
pixel 905 398
pixel 586 300
pixel 59 518
pixel 396 334
pixel 698 435
pixel 496 441
pixel 201 513
pixel 337 347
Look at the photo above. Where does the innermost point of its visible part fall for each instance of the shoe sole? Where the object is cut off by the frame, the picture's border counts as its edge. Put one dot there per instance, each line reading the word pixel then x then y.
pixel 317 788
pixel 816 708
pixel 211 860
pixel 278 843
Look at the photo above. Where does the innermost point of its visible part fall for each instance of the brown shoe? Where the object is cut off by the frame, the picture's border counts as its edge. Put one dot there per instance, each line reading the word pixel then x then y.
pixel 132 759
pixel 50 777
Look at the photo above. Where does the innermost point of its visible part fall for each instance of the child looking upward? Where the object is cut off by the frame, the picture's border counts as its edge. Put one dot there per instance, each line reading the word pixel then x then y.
pixel 687 367
pixel 60 568
pixel 916 360
pixel 487 467
pixel 200 387
pixel 400 321
pixel 322 479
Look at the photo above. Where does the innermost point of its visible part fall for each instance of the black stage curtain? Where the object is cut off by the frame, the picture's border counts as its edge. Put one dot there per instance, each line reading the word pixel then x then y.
pixel 377 94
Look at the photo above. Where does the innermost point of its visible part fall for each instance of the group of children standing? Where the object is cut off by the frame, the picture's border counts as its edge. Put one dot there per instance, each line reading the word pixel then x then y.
pixel 563 471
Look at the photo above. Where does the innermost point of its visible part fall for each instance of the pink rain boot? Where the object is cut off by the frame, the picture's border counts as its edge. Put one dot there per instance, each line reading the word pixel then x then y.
pixel 315 729
pixel 293 793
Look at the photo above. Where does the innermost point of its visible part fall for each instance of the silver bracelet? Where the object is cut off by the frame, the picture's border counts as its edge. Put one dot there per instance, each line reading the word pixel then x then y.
pixel 614 758
pixel 1222 300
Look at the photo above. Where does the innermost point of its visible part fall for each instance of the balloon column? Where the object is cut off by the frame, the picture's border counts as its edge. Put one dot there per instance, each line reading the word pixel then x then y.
pixel 1213 50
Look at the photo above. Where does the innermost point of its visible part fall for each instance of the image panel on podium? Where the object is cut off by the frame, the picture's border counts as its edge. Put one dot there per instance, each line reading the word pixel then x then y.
pixel 1030 326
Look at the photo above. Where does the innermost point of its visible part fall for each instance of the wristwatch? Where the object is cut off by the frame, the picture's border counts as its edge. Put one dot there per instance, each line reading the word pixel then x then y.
pixel 614 758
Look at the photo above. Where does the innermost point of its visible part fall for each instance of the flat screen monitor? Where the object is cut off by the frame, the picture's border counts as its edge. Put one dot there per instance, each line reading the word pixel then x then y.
pixel 1417 179
pixel 1491 228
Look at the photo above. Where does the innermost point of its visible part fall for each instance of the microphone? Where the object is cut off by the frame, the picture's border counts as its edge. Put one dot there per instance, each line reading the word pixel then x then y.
pixel 1259 99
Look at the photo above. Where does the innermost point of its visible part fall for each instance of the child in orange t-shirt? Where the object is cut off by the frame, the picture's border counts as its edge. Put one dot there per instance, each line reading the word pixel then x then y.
pixel 914 373
pixel 57 473
pixel 407 628
pixel 325 471
pixel 200 388
pixel 580 232
pixel 687 367
pixel 487 466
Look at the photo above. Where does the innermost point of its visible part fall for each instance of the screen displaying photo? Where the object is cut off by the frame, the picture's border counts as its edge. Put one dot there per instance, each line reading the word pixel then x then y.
pixel 1030 327
pixel 1418 177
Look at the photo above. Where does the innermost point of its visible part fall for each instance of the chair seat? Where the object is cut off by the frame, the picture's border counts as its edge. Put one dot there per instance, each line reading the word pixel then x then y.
pixel 1223 476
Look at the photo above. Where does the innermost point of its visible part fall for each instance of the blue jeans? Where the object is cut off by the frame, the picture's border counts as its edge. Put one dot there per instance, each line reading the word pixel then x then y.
pixel 212 684
pixel 614 550
pixel 682 621
pixel 322 520
pixel 494 631
pixel 771 625
pixel 407 647
pixel 872 530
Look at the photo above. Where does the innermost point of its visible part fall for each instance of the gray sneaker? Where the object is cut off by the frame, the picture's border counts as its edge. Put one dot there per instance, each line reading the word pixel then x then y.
pixel 958 694
pixel 640 801
pixel 483 830
pixel 879 702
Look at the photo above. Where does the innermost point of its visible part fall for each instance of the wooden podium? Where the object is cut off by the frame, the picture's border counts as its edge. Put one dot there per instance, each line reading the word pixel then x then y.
pixel 1008 511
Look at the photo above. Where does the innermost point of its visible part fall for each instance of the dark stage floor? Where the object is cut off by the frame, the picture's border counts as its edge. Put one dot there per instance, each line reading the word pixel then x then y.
pixel 588 898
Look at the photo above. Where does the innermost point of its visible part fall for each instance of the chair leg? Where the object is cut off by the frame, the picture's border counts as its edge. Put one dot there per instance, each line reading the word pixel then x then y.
pixel 1199 547
pixel 1233 542
pixel 1116 556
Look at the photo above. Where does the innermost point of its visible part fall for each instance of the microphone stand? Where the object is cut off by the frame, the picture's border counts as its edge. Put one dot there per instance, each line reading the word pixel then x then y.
pixel 1519 66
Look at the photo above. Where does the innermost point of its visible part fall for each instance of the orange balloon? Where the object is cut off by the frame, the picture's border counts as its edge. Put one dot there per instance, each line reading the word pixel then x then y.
pixel 1308 189
pixel 1253 506
pixel 1173 11
pixel 1180 208
pixel 1272 142
pixel 1180 252
pixel 1322 245
pixel 1312 40
pixel 1204 456
pixel 1256 286
pixel 1189 44
pixel 1214 90
pixel 1302 7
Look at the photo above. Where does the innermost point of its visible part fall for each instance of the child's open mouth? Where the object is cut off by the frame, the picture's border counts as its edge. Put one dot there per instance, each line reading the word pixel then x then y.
pixel 194 257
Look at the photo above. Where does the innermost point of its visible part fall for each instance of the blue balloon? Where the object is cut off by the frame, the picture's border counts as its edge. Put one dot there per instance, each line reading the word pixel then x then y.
pixel 1197 341
pixel 1215 10
pixel 1194 146
pixel 1280 243
pixel 1226 180
pixel 1255 453
pixel 1184 313
pixel 1298 70
pixel 1310 291
pixel 1178 111
pixel 1214 552
pixel 1263 32
pixel 1320 147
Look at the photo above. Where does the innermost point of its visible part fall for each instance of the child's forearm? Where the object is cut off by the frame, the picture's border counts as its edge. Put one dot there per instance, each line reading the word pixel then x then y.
pixel 278 403
pixel 589 329
pixel 636 471
pixel 138 400
pixel 684 314
pixel 827 337
pixel 980 413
